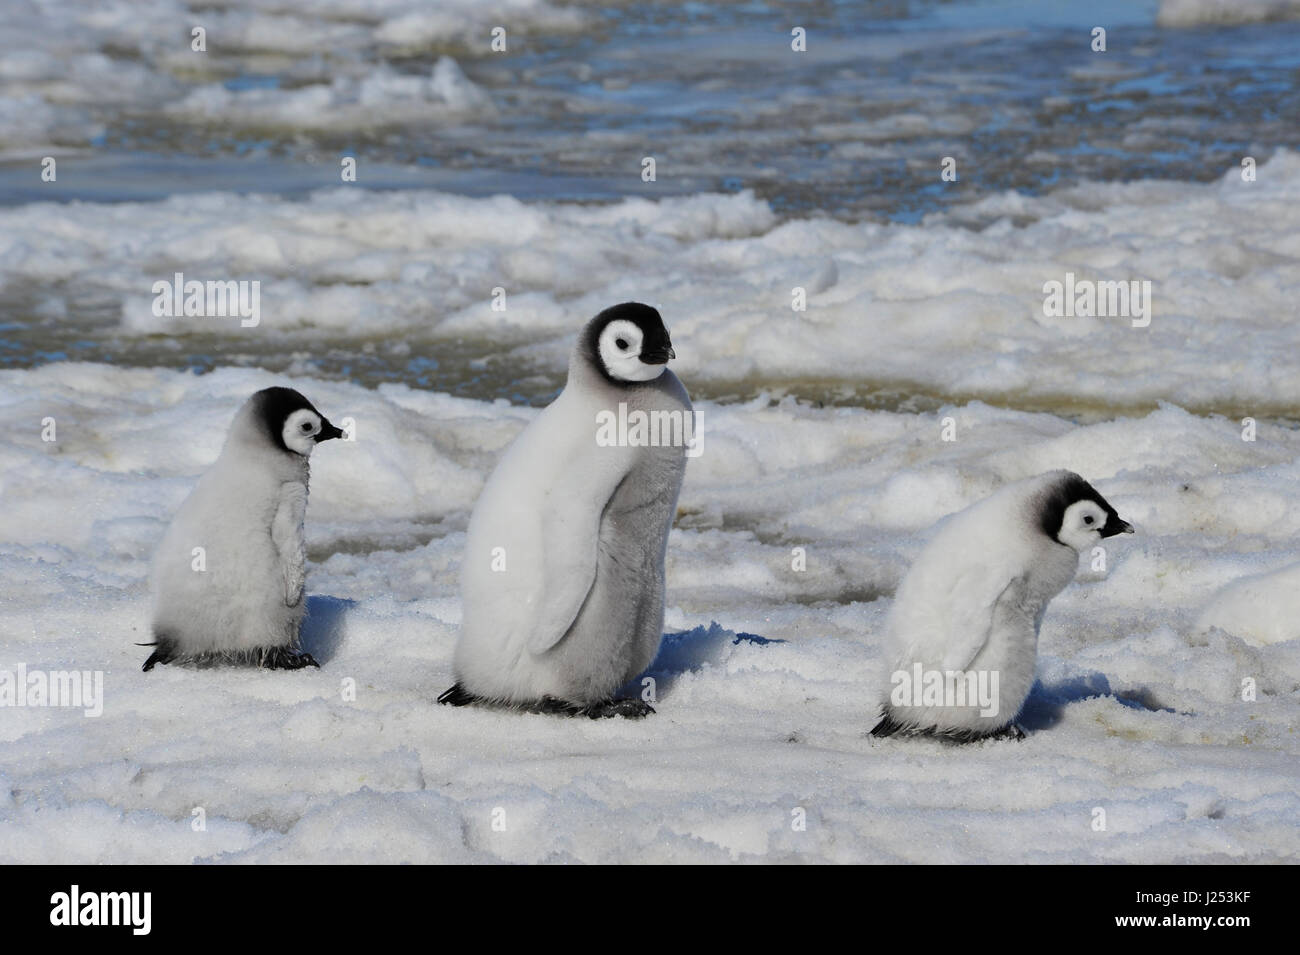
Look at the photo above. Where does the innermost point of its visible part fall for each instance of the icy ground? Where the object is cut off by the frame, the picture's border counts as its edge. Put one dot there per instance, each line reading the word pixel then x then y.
pixel 386 285
pixel 1140 712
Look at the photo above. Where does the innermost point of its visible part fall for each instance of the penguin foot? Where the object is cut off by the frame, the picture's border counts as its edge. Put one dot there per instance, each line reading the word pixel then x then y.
pixel 961 737
pixel 457 695
pixel 628 709
pixel 888 726
pixel 605 710
pixel 158 656
pixel 1012 730
pixel 282 658
pixel 165 652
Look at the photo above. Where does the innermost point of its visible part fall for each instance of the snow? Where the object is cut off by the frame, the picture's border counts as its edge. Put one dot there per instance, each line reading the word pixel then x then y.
pixel 1261 609
pixel 764 699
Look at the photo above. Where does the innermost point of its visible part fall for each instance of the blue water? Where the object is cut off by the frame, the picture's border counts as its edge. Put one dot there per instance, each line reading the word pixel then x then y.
pixel 715 93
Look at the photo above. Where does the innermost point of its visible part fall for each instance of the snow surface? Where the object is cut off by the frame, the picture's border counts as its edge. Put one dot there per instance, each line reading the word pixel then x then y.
pixel 1262 609
pixel 764 699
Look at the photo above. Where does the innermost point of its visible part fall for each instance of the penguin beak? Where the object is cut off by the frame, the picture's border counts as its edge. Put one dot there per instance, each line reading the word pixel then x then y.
pixel 660 356
pixel 1114 525
pixel 327 431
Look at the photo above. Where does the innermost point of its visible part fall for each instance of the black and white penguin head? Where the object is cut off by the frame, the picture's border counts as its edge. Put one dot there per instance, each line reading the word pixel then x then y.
pixel 1074 514
pixel 628 343
pixel 289 421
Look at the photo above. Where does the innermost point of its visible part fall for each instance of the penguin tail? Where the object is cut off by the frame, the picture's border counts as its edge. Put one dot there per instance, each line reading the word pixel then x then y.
pixel 457 695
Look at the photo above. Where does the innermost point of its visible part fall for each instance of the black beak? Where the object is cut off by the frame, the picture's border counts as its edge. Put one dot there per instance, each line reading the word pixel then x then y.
pixel 327 431
pixel 660 356
pixel 1114 525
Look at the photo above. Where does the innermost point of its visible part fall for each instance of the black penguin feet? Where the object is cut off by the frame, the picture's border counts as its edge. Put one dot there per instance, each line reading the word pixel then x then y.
pixel 457 695
pixel 158 656
pixel 165 652
pixel 282 658
pixel 1011 731
pixel 605 709
pixel 628 709
pixel 889 726
pixel 270 658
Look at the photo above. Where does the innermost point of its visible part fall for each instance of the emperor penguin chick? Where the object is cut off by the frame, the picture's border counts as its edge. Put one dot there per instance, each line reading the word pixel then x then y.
pixel 228 577
pixel 963 631
pixel 563 576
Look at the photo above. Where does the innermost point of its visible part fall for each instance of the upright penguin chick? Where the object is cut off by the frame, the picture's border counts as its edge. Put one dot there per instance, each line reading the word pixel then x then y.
pixel 965 620
pixel 563 577
pixel 228 576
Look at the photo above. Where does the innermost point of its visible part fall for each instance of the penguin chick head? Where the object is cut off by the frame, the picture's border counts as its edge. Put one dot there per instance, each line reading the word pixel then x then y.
pixel 1074 514
pixel 628 343
pixel 291 422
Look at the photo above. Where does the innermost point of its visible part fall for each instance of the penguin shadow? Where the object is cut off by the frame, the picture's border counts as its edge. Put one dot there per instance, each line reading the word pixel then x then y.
pixel 324 626
pixel 689 650
pixel 1046 704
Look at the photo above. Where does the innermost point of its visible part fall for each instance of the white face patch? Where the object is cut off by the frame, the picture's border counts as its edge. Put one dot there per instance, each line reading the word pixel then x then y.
pixel 300 430
pixel 1081 526
pixel 620 351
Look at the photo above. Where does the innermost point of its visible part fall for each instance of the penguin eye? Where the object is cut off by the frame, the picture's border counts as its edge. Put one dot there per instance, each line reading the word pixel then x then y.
pixel 1087 518
pixel 621 343
pixel 306 428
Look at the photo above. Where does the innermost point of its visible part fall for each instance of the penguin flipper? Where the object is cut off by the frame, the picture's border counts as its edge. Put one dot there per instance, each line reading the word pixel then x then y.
pixel 972 601
pixel 573 551
pixel 290 545
pixel 571 531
